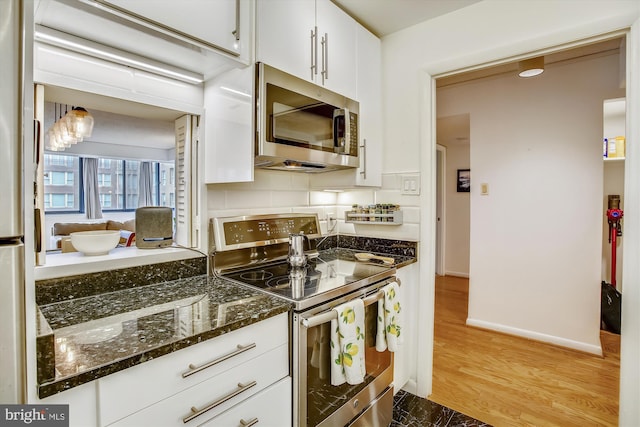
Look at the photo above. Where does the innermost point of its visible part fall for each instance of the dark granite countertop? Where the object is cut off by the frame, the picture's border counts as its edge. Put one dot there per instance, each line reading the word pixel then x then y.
pixel 91 337
pixel 94 325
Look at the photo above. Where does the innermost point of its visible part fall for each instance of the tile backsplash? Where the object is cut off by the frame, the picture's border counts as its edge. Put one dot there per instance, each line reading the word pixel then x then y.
pixel 285 192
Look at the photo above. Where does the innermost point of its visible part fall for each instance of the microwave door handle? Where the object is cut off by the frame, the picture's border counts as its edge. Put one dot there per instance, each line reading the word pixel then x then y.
pixel 339 144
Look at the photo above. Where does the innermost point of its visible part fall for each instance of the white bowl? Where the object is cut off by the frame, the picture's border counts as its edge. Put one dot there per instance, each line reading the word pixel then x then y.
pixel 95 242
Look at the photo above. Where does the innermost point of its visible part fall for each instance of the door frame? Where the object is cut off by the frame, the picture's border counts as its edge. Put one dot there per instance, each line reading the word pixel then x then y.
pixel 629 369
pixel 441 209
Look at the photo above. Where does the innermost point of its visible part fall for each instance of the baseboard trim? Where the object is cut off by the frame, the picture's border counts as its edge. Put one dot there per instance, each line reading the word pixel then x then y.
pixel 537 336
pixel 410 387
pixel 456 274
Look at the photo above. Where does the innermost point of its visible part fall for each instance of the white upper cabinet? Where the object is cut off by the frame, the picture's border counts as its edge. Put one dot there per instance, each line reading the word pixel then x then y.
pixel 284 35
pixel 200 36
pixel 311 39
pixel 217 24
pixel 369 94
pixel 228 127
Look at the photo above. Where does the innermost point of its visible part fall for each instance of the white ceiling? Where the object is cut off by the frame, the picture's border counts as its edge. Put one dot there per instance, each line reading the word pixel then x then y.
pixel 383 17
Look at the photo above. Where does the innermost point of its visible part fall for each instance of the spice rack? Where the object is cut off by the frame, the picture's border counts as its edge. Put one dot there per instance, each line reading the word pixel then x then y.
pixel 380 214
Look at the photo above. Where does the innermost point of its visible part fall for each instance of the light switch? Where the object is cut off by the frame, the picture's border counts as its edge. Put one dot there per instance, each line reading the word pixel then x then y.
pixel 411 184
pixel 484 189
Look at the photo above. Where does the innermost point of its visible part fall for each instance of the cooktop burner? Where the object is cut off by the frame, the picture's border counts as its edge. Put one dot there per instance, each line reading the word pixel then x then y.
pixel 317 282
pixel 256 276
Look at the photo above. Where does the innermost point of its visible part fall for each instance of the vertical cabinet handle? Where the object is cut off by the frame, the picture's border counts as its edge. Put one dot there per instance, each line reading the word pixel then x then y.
pixel 236 32
pixel 197 412
pixel 325 57
pixel 249 423
pixel 193 369
pixel 314 52
pixel 363 172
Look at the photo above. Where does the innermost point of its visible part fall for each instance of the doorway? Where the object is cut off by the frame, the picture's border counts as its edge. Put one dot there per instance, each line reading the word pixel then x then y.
pixel 505 168
pixel 452 206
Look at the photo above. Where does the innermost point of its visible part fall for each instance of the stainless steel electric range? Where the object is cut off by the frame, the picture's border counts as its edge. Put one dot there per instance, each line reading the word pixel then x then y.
pixel 253 251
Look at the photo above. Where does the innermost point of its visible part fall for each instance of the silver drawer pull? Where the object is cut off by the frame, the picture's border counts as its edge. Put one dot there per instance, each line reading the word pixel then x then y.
pixel 197 412
pixel 195 369
pixel 249 423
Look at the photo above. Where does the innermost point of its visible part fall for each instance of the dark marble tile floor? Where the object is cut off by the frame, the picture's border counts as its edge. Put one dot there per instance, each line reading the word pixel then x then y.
pixel 413 411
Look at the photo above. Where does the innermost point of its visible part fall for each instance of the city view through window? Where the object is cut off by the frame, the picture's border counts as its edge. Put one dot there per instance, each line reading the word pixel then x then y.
pixel 117 182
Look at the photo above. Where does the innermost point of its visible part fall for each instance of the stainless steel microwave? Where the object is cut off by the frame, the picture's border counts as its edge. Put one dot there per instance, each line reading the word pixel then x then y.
pixel 301 126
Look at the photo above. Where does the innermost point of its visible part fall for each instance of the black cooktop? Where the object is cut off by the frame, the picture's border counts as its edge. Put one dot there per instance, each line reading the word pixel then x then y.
pixel 319 281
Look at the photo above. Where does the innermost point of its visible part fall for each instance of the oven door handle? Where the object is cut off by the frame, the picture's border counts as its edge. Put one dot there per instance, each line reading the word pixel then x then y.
pixel 332 314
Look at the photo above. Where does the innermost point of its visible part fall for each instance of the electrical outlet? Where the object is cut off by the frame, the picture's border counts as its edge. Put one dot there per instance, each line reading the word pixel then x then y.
pixel 410 185
pixel 332 221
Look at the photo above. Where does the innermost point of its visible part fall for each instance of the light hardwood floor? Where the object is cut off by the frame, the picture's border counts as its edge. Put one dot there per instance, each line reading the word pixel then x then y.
pixel 510 381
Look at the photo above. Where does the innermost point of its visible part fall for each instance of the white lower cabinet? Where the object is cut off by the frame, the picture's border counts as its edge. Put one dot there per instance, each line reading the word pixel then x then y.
pixel 210 398
pixel 269 408
pixel 216 373
pixel 81 401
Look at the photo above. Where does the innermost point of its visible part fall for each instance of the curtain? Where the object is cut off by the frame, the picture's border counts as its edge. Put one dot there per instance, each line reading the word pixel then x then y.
pixel 91 190
pixel 145 186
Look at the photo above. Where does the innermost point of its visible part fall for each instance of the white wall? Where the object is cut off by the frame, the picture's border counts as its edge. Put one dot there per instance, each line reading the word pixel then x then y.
pixel 536 238
pixel 458 211
pixel 484 33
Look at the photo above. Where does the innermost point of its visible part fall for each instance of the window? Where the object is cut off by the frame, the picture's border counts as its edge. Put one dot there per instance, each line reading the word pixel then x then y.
pixel 105 200
pixel 104 180
pixel 58 160
pixel 61 183
pixel 58 200
pixel 117 183
pixel 59 178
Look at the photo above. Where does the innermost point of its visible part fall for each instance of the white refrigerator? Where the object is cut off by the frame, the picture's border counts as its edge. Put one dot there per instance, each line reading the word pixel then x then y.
pixel 12 188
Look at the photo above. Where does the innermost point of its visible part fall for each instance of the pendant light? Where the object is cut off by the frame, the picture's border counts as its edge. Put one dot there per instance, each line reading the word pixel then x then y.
pixel 531 67
pixel 80 122
pixel 69 129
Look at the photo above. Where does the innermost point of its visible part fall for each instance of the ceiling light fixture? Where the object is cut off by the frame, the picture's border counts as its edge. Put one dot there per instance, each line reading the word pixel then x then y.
pixel 69 129
pixel 531 67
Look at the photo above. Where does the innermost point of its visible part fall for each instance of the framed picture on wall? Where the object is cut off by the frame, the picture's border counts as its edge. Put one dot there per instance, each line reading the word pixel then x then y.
pixel 464 181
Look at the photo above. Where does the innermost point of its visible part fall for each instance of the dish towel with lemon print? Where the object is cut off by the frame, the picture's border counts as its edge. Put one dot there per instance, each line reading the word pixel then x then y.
pixel 347 344
pixel 388 335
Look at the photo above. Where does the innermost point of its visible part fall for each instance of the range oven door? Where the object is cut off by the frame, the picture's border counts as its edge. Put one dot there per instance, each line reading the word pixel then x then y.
pixel 316 401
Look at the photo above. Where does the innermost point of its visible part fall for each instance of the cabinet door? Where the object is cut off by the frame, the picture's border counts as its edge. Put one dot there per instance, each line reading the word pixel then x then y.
pixel 338 32
pixel 216 22
pixel 284 36
pixel 82 404
pixel 228 135
pixel 270 407
pixel 125 392
pixel 405 358
pixel 212 397
pixel 369 95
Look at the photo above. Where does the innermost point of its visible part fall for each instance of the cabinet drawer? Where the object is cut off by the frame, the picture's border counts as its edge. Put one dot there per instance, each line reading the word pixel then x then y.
pixel 140 386
pixel 269 408
pixel 215 395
